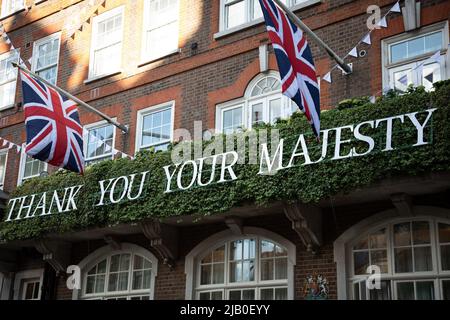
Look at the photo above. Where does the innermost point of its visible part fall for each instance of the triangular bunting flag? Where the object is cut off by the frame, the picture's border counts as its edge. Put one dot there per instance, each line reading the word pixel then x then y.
pixel 367 40
pixel 7 40
pixel 403 80
pixel 18 149
pixel 124 155
pixel 383 23
pixel 11 145
pixel 429 77
pixel 354 52
pixel 396 7
pixel 5 142
pixel 115 151
pixel 436 57
pixel 327 77
pixel 373 99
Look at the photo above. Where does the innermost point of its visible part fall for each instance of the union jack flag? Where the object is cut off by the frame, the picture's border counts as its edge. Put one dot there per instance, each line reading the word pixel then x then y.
pixel 54 132
pixel 295 62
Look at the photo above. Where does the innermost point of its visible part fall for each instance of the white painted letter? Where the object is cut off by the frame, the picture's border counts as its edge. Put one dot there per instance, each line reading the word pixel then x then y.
pixel 420 127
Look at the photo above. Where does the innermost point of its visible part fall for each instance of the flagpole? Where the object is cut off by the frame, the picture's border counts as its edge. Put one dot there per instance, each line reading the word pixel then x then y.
pixel 311 34
pixel 75 99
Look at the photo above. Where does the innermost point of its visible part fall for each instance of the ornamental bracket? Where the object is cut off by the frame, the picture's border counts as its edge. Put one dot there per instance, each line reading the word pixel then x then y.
pixel 307 223
pixel 403 203
pixel 57 254
pixel 235 224
pixel 163 238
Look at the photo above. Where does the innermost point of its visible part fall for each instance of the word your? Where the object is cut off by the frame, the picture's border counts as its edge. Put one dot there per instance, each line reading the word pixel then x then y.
pixel 336 144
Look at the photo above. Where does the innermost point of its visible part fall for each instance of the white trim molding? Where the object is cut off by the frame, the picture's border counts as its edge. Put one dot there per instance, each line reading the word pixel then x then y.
pixel 192 258
pixel 223 31
pixel 95 21
pixel 107 251
pixel 35 56
pixel 153 109
pixel 27 275
pixel 343 244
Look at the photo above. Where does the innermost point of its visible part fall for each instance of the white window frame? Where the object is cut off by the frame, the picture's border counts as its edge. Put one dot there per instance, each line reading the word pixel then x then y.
pixel 95 21
pixel 343 252
pixel 223 31
pixel 247 101
pixel 23 157
pixel 4 56
pixel 97 125
pixel 105 253
pixel 140 118
pixel 5 13
pixel 35 53
pixel 388 67
pixel 4 152
pixel 27 275
pixel 145 57
pixel 194 257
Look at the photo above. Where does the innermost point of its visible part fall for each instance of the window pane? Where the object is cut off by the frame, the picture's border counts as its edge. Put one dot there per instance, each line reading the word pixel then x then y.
pixel 446 289
pixel 235 272
pixel 235 295
pixel 248 294
pixel 248 271
pixel 267 269
pixel 112 283
pixel 101 268
pixel 236 250
pixel 378 239
pixel 422 259
pixel 114 264
pixel 125 262
pixel 362 244
pixel 361 262
pixel 138 262
pixel 421 232
pixel 399 52
pixel 280 269
pixel 257 113
pixel 402 234
pixel 147 279
pixel 123 281
pixel 425 290
pixel 162 40
pixel 444 233
pixel 379 258
pixel 267 294
pixel 235 14
pixel 445 257
pixel 216 295
pixel 204 296
pixel 206 274
pixel 356 291
pixel 218 273
pixel 405 290
pixel 90 283
pixel 219 254
pixel 416 47
pixel 433 42
pixel 403 260
pixel 137 280
pixel 275 110
pixel 100 284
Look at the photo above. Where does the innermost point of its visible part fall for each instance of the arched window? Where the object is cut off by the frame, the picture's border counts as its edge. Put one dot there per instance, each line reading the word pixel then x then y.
pixel 262 103
pixel 413 256
pixel 126 274
pixel 250 267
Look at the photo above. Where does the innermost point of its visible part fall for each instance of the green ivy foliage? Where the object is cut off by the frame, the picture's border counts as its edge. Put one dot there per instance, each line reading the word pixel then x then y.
pixel 308 184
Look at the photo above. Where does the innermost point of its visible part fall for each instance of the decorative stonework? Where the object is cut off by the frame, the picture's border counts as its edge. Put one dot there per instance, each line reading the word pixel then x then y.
pixel 316 287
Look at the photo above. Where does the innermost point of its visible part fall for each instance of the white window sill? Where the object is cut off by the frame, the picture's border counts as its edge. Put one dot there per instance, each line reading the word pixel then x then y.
pixel 249 24
pixel 12 13
pixel 154 59
pixel 102 76
pixel 9 106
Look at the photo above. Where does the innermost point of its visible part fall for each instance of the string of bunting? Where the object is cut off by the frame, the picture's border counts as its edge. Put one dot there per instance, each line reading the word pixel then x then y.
pixel 366 39
pixel 79 25
pixel 10 145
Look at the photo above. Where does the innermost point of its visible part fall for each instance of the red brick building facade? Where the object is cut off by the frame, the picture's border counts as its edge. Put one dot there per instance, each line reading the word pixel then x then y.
pixel 213 58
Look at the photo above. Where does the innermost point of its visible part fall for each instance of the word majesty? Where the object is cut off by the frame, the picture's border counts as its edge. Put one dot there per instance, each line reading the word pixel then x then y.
pixel 191 173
